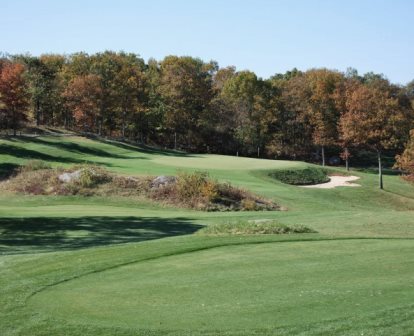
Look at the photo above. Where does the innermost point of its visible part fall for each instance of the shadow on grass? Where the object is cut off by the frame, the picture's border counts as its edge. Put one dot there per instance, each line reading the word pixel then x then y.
pixel 26 235
pixel 143 148
pixel 374 170
pixel 7 170
pixel 23 153
pixel 72 147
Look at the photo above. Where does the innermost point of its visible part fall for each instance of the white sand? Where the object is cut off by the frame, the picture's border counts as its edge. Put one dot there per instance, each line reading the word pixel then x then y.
pixel 336 181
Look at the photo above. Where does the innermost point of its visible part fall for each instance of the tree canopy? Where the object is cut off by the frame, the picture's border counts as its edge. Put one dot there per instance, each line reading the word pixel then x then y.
pixel 186 103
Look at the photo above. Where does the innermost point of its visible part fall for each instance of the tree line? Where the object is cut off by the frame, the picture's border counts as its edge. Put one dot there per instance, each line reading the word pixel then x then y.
pixel 186 103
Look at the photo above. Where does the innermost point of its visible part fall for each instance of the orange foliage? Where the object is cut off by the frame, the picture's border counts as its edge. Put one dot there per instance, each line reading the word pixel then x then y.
pixel 82 96
pixel 13 94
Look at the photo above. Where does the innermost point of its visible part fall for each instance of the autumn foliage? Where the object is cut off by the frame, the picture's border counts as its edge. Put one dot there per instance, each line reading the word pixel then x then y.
pixel 13 94
pixel 82 96
pixel 189 104
pixel 405 161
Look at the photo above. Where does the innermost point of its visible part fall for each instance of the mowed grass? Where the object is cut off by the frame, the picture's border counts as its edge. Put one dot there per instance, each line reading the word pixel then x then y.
pixel 127 267
pixel 247 287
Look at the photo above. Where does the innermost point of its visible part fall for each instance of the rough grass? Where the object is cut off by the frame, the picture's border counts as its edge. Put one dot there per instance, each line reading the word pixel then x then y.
pixel 252 227
pixel 194 190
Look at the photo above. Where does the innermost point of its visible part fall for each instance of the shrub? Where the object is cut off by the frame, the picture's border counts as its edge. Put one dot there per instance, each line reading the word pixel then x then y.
pixel 307 176
pixel 31 182
pixel 91 176
pixel 248 204
pixel 33 165
pixel 243 227
pixel 190 190
pixel 193 187
pixel 226 190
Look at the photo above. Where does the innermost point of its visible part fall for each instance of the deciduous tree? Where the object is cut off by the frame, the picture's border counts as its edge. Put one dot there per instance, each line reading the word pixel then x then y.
pixel 82 97
pixel 373 119
pixel 185 89
pixel 323 113
pixel 13 94
pixel 405 161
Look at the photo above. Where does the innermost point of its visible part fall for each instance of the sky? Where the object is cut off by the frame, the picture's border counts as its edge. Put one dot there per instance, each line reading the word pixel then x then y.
pixel 265 36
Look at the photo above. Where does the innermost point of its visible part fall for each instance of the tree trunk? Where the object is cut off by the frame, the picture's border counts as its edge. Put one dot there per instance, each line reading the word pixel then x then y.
pixel 14 122
pixel 65 120
pixel 100 127
pixel 323 156
pixel 381 183
pixel 37 113
pixel 175 140
pixel 123 124
pixel 347 155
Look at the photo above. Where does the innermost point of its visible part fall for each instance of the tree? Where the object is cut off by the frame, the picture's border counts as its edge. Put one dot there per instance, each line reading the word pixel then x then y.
pixel 152 125
pixel 82 97
pixel 405 161
pixel 13 94
pixel 129 88
pixel 373 119
pixel 323 85
pixel 293 136
pixel 40 83
pixel 185 89
pixel 53 108
pixel 248 102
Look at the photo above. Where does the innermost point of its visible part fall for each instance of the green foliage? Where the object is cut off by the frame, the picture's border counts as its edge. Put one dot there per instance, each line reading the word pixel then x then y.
pixel 307 176
pixel 33 165
pixel 250 227
pixel 91 176
pixel 187 103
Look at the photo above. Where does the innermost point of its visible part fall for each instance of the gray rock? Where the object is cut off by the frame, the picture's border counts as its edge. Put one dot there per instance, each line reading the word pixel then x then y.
pixel 69 177
pixel 161 181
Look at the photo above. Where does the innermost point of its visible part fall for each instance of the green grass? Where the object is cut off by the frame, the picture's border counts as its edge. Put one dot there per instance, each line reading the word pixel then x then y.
pixel 74 265
pixel 226 288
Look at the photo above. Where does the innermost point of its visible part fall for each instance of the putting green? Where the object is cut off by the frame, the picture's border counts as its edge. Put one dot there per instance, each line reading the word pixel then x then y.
pixel 258 286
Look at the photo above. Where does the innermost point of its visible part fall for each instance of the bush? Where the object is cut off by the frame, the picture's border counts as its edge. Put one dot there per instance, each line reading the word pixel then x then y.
pixel 307 176
pixel 196 187
pixel 33 165
pixel 32 182
pixel 190 190
pixel 91 176
pixel 243 227
pixel 249 205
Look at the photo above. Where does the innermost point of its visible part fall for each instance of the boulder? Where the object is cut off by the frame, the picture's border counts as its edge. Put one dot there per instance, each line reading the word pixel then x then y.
pixel 69 177
pixel 161 181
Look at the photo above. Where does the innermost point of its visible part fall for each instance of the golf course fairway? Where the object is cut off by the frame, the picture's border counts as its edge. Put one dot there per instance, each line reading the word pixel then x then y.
pixel 95 265
pixel 258 286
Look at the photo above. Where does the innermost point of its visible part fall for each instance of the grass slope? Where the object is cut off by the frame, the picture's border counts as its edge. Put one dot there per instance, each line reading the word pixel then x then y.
pixel 350 278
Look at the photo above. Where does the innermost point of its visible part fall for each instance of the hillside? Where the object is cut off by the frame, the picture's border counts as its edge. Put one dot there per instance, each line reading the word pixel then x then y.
pixel 354 269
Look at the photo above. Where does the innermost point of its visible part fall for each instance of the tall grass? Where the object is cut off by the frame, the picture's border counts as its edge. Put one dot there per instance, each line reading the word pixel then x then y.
pixel 245 227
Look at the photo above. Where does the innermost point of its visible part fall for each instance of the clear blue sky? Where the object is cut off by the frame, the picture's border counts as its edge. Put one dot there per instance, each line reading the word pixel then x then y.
pixel 263 35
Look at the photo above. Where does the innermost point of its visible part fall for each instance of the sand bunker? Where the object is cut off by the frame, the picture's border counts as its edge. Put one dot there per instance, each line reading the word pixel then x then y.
pixel 336 181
